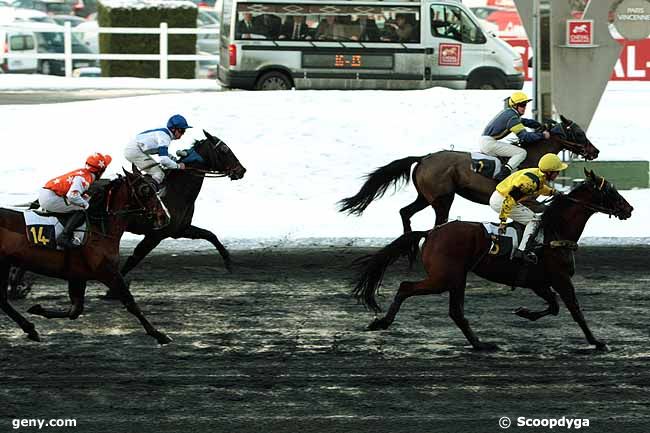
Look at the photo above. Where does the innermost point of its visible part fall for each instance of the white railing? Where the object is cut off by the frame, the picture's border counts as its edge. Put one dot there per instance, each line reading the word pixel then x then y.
pixel 67 56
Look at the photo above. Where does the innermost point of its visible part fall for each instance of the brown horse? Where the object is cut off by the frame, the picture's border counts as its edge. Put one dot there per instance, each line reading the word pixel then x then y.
pixel 97 260
pixel 452 250
pixel 439 176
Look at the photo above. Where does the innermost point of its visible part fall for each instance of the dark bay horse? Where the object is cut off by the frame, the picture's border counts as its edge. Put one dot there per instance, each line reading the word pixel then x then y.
pixel 97 260
pixel 209 157
pixel 453 249
pixel 439 176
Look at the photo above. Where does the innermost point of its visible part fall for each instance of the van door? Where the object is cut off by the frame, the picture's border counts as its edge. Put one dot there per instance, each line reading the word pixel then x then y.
pixel 21 43
pixel 458 44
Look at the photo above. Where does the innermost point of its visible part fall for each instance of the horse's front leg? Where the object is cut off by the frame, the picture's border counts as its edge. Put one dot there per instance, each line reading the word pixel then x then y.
pixel 77 293
pixel 551 300
pixel 564 287
pixel 141 250
pixel 116 284
pixel 193 232
pixel 25 325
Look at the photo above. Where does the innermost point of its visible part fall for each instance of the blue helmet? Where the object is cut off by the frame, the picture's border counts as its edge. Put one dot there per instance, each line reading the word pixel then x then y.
pixel 177 121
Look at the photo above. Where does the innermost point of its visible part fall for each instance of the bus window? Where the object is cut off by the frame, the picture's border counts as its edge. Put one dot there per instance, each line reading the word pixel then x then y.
pixel 451 22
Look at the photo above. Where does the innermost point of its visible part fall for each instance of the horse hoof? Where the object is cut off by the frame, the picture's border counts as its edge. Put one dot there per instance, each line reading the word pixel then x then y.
pixel 33 335
pixel 36 309
pixel 602 347
pixel 228 264
pixel 163 339
pixel 110 296
pixel 523 312
pixel 486 347
pixel 377 325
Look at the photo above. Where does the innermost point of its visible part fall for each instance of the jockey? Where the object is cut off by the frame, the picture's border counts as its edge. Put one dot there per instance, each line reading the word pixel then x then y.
pixel 507 121
pixel 67 194
pixel 526 183
pixel 156 142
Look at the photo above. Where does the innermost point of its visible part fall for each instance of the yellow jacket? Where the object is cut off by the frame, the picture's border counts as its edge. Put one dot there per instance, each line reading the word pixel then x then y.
pixel 522 184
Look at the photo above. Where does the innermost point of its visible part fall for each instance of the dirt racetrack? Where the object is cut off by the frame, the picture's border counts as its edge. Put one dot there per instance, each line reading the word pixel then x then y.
pixel 279 346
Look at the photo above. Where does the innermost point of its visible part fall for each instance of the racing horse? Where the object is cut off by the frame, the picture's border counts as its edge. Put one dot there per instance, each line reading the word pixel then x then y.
pixel 439 176
pixel 209 157
pixel 453 249
pixel 98 259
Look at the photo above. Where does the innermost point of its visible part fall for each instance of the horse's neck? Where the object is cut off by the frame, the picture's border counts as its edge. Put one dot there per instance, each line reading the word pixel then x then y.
pixel 569 221
pixel 116 224
pixel 536 150
pixel 185 185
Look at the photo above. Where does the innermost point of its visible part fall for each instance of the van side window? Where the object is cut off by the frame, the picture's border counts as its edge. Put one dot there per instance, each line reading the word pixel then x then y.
pixel 328 22
pixel 453 23
pixel 21 43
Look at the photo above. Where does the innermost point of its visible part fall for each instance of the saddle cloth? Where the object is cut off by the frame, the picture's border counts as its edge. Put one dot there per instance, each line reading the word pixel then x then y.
pixel 506 245
pixel 488 166
pixel 42 231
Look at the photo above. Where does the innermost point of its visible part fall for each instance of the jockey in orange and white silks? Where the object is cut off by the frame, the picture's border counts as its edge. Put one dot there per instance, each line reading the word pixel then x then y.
pixel 507 121
pixel 67 193
pixel 156 142
pixel 526 183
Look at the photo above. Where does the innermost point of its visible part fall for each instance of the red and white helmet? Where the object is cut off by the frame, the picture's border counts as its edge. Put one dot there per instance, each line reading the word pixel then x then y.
pixel 97 162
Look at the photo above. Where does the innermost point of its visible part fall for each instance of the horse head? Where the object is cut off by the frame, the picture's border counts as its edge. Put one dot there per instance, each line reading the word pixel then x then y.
pixel 603 196
pixel 143 198
pixel 573 138
pixel 212 154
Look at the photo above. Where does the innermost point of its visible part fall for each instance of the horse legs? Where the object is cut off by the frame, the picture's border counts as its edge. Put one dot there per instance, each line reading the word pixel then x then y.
pixel 408 211
pixel 441 205
pixel 193 232
pixel 118 285
pixel 551 300
pixel 564 287
pixel 77 293
pixel 457 314
pixel 405 291
pixel 140 252
pixel 24 324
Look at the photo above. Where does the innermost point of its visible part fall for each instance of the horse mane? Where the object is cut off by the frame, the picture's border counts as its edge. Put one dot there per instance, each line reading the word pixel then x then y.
pixel 559 205
pixel 208 152
pixel 99 192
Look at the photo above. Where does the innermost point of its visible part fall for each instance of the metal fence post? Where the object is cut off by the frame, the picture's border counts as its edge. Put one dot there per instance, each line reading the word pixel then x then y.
pixel 163 51
pixel 67 48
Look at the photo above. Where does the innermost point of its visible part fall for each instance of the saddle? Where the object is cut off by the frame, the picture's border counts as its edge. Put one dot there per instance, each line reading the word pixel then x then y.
pixel 486 165
pixel 505 246
pixel 44 228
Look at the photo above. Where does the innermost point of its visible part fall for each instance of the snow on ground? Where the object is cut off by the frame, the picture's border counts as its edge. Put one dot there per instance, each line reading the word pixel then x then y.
pixel 304 151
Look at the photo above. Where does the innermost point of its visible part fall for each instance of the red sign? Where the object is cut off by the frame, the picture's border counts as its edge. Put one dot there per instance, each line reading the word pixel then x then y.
pixel 579 32
pixel 632 65
pixel 449 54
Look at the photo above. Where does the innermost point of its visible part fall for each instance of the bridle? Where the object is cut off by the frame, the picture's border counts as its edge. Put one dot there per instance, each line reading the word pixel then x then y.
pixel 568 140
pixel 134 188
pixel 227 171
pixel 603 187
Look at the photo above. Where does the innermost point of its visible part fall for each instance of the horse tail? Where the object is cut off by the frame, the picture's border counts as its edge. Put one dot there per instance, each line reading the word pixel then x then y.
pixel 373 266
pixel 377 183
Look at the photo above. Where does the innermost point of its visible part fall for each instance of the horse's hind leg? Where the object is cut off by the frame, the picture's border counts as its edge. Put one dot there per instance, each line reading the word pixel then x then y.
pixel 25 324
pixel 457 314
pixel 117 284
pixel 441 205
pixel 551 299
pixel 77 292
pixel 193 232
pixel 406 290
pixel 408 211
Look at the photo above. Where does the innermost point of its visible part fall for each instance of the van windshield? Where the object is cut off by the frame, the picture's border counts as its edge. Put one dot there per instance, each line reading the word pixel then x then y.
pixel 452 23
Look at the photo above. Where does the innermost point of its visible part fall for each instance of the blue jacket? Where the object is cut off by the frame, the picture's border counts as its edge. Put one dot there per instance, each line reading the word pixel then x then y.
pixel 508 121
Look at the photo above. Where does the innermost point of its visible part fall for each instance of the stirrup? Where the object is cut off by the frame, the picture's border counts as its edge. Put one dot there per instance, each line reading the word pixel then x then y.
pixel 505 172
pixel 525 256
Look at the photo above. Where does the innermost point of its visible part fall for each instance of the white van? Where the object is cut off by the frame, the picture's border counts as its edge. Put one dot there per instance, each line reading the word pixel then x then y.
pixel 14 40
pixel 355 44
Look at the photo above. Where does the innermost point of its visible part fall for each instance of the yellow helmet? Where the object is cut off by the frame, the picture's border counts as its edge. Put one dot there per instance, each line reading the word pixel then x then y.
pixel 518 98
pixel 551 162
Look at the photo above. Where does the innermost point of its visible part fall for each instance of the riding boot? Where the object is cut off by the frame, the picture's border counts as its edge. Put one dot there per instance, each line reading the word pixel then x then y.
pixel 524 252
pixel 162 188
pixel 505 172
pixel 66 239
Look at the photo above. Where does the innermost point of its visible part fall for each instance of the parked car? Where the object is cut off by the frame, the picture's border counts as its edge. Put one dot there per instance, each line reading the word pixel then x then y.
pixel 32 15
pixel 205 18
pixel 208 42
pixel 52 42
pixel 72 19
pixel 17 41
pixel 52 7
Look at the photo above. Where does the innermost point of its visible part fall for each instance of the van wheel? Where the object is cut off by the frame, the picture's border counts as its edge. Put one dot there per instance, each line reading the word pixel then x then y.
pixel 46 69
pixel 273 80
pixel 487 81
